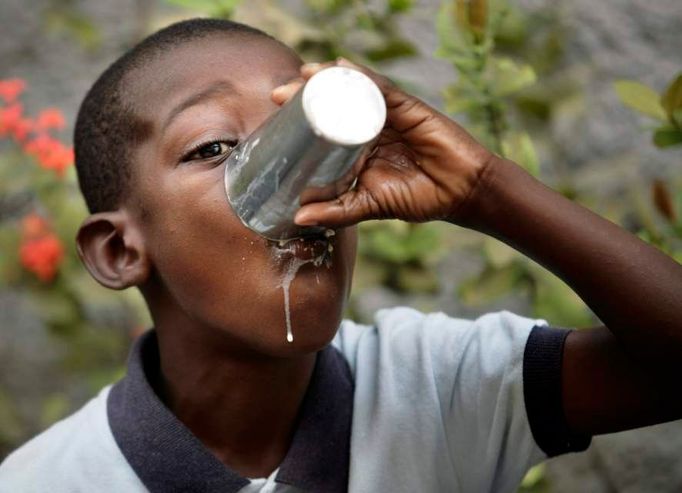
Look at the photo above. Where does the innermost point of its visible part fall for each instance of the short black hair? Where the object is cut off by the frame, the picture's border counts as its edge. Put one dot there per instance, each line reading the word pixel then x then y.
pixel 107 129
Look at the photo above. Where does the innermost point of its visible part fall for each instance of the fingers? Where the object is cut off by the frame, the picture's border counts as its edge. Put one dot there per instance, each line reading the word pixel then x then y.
pixel 310 69
pixel 350 208
pixel 282 94
pixel 386 86
pixel 404 111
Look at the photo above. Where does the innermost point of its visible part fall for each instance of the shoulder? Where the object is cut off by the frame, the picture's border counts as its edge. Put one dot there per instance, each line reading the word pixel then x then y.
pixel 77 453
pixel 450 387
pixel 404 333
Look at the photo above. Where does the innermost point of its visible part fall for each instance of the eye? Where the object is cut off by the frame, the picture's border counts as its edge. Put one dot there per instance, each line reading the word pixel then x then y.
pixel 210 150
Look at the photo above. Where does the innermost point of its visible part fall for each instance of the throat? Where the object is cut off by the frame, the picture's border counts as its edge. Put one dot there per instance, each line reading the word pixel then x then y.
pixel 244 412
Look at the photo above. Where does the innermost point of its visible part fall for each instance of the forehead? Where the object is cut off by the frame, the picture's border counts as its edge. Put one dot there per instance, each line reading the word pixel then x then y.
pixel 248 64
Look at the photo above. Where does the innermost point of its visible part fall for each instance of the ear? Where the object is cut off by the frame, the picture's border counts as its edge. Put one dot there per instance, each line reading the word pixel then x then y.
pixel 111 246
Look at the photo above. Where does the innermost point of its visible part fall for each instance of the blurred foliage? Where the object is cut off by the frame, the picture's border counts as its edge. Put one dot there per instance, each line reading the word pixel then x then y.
pixel 665 108
pixel 481 39
pixel 508 84
pixel 366 32
pixel 211 8
pixel 40 211
pixel 66 18
pixel 400 256
pixel 535 481
pixel 661 223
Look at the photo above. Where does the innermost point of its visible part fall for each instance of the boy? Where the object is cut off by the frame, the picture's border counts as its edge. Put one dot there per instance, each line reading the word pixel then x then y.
pixel 216 399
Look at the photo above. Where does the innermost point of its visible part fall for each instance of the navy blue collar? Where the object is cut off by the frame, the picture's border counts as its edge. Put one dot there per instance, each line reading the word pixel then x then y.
pixel 167 457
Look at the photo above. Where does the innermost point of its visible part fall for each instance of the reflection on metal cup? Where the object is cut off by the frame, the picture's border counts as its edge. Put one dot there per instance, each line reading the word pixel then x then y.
pixel 308 151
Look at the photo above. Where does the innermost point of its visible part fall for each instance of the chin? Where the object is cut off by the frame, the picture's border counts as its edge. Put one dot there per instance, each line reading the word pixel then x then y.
pixel 312 329
pixel 261 328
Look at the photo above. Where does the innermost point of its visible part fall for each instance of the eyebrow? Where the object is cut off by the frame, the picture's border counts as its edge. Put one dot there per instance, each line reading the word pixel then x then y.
pixel 195 99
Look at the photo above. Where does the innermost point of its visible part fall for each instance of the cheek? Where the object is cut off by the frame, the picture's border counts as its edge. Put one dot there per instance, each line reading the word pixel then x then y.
pixel 223 275
pixel 195 242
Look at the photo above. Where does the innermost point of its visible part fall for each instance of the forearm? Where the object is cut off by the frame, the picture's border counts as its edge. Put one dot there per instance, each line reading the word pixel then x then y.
pixel 632 287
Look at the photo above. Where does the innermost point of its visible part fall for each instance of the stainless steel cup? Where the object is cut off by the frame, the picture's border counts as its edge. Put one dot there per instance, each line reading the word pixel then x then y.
pixel 308 151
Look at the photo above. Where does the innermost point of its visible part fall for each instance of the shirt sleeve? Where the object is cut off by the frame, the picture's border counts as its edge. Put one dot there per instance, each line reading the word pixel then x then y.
pixel 471 403
pixel 505 399
pixel 542 392
pixel 484 407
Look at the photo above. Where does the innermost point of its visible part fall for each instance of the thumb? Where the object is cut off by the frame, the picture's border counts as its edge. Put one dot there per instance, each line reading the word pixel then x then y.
pixel 348 209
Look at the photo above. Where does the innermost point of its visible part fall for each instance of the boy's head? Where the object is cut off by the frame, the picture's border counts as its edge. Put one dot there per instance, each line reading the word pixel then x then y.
pixel 151 140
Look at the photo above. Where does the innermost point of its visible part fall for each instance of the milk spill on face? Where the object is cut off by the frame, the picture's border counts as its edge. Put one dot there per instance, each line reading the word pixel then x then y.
pixel 295 263
pixel 289 276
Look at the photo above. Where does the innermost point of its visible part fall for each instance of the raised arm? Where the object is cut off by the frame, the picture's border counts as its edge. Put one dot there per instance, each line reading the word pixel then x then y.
pixel 426 167
pixel 614 379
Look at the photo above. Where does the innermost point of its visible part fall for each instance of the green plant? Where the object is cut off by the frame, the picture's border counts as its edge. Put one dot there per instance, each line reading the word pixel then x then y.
pixel 664 227
pixel 212 8
pixel 367 33
pixel 489 87
pixel 664 108
pixel 400 256
pixel 322 29
pixel 467 32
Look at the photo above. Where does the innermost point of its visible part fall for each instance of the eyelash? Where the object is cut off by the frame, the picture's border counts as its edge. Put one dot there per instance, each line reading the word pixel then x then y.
pixel 230 143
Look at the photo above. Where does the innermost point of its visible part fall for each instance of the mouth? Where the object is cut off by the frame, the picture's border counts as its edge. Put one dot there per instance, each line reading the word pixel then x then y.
pixel 316 249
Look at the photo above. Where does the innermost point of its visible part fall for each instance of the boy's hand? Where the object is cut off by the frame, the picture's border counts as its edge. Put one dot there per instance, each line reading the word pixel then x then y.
pixel 424 166
pixel 427 167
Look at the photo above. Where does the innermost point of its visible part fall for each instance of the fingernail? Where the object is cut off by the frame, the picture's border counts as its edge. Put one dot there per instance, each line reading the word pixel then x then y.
pixel 301 220
pixel 311 65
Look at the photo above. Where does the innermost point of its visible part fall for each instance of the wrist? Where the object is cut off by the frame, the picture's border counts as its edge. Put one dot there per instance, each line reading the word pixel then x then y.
pixel 492 196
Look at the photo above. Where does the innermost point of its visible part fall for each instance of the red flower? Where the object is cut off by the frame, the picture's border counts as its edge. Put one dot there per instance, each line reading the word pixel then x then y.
pixel 42 256
pixel 21 129
pixel 32 134
pixel 50 152
pixel 50 118
pixel 10 117
pixel 40 251
pixel 39 144
pixel 11 88
pixel 34 226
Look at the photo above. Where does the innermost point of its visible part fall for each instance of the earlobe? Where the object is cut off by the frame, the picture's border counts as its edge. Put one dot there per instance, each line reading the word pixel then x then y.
pixel 111 247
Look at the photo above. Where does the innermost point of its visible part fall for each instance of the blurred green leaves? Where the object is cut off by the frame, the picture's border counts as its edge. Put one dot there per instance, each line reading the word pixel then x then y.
pixel 667 136
pixel 490 87
pixel 664 230
pixel 354 29
pixel 325 29
pixel 491 284
pixel 65 17
pixel 402 254
pixel 665 108
pixel 672 100
pixel 212 8
pixel 508 77
pixel 400 6
pixel 467 33
pixel 640 98
pixel 517 146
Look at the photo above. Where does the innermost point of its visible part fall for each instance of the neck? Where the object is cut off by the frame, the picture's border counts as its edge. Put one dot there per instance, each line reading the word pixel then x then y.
pixel 242 408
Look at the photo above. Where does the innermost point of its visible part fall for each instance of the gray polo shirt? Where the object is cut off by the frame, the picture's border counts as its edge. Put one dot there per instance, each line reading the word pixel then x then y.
pixel 415 402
